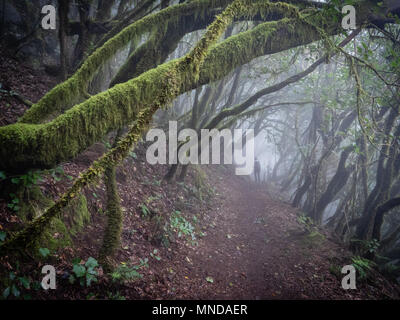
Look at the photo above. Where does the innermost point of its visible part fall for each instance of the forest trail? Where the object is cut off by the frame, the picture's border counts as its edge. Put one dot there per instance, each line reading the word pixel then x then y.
pixel 255 248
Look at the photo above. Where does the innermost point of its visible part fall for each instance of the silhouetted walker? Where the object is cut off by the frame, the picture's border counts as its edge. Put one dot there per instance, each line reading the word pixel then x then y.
pixel 257 169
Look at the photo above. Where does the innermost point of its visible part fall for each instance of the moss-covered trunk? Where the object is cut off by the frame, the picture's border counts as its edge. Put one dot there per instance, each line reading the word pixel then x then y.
pixel 112 233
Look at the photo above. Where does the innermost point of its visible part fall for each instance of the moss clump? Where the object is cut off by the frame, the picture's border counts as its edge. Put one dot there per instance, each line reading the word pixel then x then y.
pixel 60 231
pixel 31 200
pixel 76 215
pixel 55 236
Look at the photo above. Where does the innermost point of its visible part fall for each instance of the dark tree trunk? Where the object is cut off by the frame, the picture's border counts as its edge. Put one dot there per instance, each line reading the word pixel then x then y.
pixel 63 10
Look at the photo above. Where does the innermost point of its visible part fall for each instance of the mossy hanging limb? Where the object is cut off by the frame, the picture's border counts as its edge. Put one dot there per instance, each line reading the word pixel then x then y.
pixel 179 71
pixel 163 41
pixel 45 145
pixel 28 146
pixel 66 94
pixel 28 236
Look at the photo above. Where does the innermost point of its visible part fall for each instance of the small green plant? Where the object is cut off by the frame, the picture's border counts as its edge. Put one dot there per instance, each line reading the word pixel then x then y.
pixel 335 270
pixel 306 222
pixel 44 252
pixel 128 273
pixel 363 266
pixel 84 273
pixel 116 296
pixel 145 210
pixel 155 255
pixel 15 285
pixel 30 178
pixel 152 199
pixel 181 226
pixel 14 204
pixel 370 246
pixel 107 144
pixel 58 173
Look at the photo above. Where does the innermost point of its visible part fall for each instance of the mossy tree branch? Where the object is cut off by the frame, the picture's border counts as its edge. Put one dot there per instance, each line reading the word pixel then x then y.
pixel 44 145
pixel 179 71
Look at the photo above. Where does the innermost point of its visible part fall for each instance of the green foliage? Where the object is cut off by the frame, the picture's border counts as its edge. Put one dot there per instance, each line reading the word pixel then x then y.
pixel 26 181
pixel 29 179
pixel 15 284
pixel 145 210
pixel 128 273
pixel 116 296
pixel 14 204
pixel 84 273
pixel 367 246
pixel 363 266
pixel 152 199
pixel 3 235
pixel 58 173
pixel 44 252
pixel 181 226
pixel 335 270
pixel 155 255
pixel 307 223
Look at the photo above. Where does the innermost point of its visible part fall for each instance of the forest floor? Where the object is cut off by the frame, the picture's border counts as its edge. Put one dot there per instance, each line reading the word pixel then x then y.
pixel 222 237
pixel 246 245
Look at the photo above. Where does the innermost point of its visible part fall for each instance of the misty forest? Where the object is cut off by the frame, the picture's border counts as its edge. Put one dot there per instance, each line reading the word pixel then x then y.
pixel 83 83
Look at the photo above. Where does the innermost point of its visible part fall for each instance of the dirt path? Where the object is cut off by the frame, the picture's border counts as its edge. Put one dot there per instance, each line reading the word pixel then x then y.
pixel 256 249
pixel 249 250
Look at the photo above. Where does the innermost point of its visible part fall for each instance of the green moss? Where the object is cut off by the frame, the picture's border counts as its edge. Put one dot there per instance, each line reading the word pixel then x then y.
pixel 69 134
pixel 65 95
pixel 55 236
pixel 175 73
pixel 73 90
pixel 31 200
pixel 112 234
pixel 76 215
pixel 61 229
